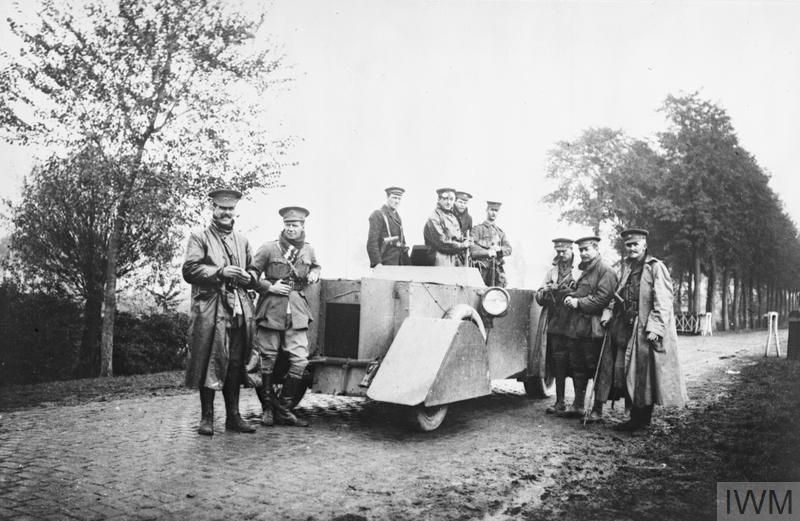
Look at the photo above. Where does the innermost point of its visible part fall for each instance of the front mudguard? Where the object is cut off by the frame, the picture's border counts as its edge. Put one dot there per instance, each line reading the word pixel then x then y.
pixel 433 361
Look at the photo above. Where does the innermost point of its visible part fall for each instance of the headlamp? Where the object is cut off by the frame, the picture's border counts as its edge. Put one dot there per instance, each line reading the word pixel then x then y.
pixel 495 301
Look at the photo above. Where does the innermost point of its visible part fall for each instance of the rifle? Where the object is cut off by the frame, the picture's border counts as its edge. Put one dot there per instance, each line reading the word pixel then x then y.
pixel 467 254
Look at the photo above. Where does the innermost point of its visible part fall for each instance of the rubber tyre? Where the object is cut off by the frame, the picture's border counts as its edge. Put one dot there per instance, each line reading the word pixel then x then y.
pixel 426 419
pixel 540 387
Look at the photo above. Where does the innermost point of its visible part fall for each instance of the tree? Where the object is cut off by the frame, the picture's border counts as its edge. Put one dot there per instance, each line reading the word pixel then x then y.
pixel 606 177
pixel 702 151
pixel 705 199
pixel 62 227
pixel 166 91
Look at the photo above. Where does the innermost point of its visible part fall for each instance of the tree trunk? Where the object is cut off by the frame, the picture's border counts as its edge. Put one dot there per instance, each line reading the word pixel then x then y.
pixel 746 291
pixel 712 286
pixel 110 300
pixel 737 297
pixel 698 295
pixel 88 363
pixel 679 297
pixel 725 291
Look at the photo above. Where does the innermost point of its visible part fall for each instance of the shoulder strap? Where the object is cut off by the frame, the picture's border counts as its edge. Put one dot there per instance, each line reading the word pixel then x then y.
pixel 386 222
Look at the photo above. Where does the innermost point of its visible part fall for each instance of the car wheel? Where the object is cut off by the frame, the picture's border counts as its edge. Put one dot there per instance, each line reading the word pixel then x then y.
pixel 540 387
pixel 427 419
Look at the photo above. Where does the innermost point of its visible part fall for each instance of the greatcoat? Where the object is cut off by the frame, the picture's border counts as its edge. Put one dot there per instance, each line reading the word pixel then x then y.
pixel 212 309
pixel 555 315
pixel 442 233
pixel 271 311
pixel 393 253
pixel 652 374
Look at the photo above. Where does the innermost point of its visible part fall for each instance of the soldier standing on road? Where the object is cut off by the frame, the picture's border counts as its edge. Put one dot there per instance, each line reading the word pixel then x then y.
pixel 220 327
pixel 555 318
pixel 443 234
pixel 282 316
pixel 490 247
pixel 640 359
pixel 594 290
pixel 386 243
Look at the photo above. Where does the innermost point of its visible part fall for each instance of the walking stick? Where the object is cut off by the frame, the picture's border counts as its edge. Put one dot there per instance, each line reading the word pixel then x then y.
pixel 588 411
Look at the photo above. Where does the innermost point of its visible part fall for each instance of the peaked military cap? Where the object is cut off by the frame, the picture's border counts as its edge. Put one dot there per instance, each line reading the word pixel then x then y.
pixel 493 204
pixel 293 213
pixel 634 234
pixel 440 191
pixel 225 196
pixel 463 195
pixel 562 243
pixel 394 190
pixel 591 239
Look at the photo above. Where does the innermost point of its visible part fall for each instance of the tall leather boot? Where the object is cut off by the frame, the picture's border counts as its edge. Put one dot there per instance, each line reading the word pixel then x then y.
pixel 640 418
pixel 645 415
pixel 230 391
pixel 206 427
pixel 576 409
pixel 283 412
pixel 267 399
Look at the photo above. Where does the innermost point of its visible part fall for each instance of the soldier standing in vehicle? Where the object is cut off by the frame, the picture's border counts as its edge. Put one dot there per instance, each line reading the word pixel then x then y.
pixel 490 247
pixel 220 327
pixel 641 322
pixel 443 234
pixel 594 290
pixel 554 320
pixel 461 212
pixel 386 243
pixel 282 316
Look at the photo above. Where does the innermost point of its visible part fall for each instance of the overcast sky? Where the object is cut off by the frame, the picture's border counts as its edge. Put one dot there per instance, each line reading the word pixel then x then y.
pixel 423 94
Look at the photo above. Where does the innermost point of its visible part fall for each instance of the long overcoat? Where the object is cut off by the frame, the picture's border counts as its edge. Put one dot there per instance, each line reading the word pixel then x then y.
pixel 271 309
pixel 652 375
pixel 212 310
pixel 554 317
pixel 379 252
pixel 443 234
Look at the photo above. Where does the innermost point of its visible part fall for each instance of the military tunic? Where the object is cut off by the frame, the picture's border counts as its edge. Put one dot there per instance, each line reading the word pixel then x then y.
pixel 283 319
pixel 484 236
pixel 394 253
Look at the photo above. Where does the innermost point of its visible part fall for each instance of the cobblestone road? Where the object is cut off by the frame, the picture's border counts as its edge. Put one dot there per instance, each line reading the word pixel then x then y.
pixel 142 459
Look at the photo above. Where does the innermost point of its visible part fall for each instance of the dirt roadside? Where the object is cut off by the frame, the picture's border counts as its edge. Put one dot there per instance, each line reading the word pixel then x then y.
pixel 495 458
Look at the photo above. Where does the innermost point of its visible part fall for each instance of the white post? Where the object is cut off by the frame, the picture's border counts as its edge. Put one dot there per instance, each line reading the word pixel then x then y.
pixel 772 331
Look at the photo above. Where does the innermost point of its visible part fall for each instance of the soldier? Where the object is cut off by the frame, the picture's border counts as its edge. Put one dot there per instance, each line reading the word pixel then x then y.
pixel 443 234
pixel 642 323
pixel 461 211
pixel 490 247
pixel 594 290
pixel 282 314
pixel 555 318
pixel 386 243
pixel 220 328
